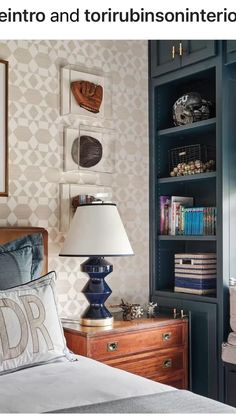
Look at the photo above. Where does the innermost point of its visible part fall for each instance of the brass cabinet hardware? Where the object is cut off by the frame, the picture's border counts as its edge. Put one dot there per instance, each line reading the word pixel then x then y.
pixel 167 363
pixel 182 315
pixel 173 52
pixel 112 346
pixel 166 336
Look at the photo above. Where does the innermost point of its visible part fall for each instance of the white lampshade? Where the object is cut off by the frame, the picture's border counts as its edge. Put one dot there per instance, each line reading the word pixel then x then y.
pixel 96 230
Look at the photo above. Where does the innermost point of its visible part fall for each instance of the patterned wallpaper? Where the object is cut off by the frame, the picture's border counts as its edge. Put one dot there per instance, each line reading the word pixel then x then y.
pixel 36 154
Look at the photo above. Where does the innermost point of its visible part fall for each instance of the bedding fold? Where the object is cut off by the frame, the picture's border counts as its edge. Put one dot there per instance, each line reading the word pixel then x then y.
pixel 180 401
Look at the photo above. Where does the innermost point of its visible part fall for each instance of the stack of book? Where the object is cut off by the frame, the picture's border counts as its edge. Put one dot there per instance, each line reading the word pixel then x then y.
pixel 178 216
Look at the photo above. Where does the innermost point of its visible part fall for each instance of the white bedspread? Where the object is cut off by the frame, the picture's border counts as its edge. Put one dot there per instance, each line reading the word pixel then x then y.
pixel 67 384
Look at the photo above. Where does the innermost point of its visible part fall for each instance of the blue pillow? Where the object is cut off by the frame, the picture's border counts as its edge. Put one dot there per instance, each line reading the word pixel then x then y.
pixel 21 260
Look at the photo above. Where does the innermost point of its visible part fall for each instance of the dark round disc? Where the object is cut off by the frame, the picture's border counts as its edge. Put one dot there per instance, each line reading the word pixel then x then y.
pixel 90 151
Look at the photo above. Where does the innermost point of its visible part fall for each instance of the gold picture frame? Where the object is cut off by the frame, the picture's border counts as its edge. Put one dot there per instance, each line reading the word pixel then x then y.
pixel 3 128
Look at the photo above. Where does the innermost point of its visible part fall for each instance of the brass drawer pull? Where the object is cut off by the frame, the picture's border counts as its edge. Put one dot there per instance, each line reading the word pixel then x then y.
pixel 112 346
pixel 166 336
pixel 167 363
pixel 173 52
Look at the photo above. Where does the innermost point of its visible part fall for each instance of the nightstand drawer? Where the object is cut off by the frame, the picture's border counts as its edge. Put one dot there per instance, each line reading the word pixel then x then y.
pixel 152 365
pixel 117 345
pixel 177 380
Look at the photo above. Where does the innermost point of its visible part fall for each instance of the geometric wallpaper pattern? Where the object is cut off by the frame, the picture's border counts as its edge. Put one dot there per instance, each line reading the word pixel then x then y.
pixel 36 154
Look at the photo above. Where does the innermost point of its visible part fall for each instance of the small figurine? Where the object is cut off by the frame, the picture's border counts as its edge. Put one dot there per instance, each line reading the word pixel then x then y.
pixel 151 309
pixel 130 311
pixel 136 311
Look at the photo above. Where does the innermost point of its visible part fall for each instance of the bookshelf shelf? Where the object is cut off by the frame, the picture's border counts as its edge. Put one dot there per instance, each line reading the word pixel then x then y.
pixel 186 130
pixel 186 238
pixel 172 294
pixel 190 178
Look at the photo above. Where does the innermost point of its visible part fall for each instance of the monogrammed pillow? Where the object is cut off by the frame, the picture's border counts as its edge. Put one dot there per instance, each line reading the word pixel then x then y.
pixel 30 329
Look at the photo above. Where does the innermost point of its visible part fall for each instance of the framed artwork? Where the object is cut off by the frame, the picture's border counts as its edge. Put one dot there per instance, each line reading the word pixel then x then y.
pixel 73 195
pixel 3 128
pixel 85 93
pixel 89 148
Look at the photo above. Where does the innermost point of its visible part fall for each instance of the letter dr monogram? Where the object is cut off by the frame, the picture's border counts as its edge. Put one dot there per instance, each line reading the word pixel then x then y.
pixel 36 325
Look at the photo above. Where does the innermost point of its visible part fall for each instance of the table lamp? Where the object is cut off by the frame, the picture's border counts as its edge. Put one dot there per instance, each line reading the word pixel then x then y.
pixel 96 231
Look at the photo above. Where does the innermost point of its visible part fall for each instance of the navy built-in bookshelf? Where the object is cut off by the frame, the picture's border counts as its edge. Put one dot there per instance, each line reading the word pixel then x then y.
pixel 205 70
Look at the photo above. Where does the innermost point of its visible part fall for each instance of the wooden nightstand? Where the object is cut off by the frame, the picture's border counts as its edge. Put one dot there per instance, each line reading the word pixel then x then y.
pixel 153 348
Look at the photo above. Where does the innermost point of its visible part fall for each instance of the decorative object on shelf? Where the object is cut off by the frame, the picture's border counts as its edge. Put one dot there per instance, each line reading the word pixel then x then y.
pixel 195 273
pixel 151 309
pixel 130 311
pixel 193 168
pixel 96 231
pixel 3 128
pixel 72 195
pixel 192 159
pixel 89 148
pixel 87 94
pixel 189 108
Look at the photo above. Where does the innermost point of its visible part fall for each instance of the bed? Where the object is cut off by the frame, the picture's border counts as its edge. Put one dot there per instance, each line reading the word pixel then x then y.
pixel 66 383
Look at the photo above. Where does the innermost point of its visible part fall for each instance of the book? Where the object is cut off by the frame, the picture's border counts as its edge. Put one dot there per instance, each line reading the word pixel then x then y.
pixel 175 203
pixel 199 221
pixel 164 214
pixel 179 220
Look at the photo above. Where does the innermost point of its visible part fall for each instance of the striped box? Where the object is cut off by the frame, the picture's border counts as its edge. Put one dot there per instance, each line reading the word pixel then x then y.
pixel 195 273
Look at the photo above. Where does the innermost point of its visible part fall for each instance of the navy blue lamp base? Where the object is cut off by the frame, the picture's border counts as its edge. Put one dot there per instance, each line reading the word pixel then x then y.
pixel 96 291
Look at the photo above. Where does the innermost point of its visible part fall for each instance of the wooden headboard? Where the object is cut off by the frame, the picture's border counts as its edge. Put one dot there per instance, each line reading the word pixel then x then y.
pixel 11 233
